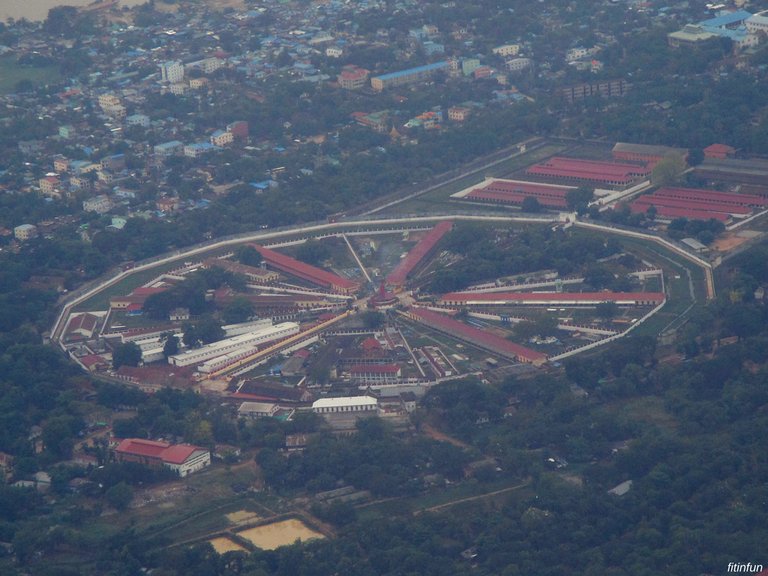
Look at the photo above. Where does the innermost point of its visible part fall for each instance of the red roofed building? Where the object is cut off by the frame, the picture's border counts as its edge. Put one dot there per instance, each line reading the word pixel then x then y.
pixel 138 296
pixel 590 171
pixel 307 272
pixel 353 77
pixel 82 326
pixel 396 279
pixel 551 298
pixel 516 191
pixel 251 273
pixel 720 151
pixel 182 458
pixel 476 337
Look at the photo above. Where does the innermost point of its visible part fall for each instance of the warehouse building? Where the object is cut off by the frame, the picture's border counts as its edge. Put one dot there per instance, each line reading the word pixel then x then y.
pixel 409 76
pixel 235 344
pixel 307 272
pixel 182 458
pixel 551 298
pixel 497 191
pixel 476 337
pixel 590 171
pixel 396 279
pixel 346 404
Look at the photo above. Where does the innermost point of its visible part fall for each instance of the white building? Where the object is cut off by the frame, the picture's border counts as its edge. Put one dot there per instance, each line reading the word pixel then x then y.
pixel 758 23
pixel 255 410
pixel 221 138
pixel 100 204
pixel 206 65
pixel 234 344
pixel 25 232
pixel 577 54
pixel 507 50
pixel 334 52
pixel 345 404
pixel 517 64
pixel 172 71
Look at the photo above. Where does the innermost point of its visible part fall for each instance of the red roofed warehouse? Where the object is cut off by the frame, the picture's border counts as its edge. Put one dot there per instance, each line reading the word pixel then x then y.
pixel 515 191
pixel 551 298
pixel 396 279
pixel 590 171
pixel 306 272
pixel 479 338
pixel 697 204
pixel 182 458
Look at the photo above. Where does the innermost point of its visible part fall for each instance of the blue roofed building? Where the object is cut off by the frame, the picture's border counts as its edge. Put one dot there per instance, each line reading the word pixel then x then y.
pixel 732 25
pixel 409 76
pixel 168 148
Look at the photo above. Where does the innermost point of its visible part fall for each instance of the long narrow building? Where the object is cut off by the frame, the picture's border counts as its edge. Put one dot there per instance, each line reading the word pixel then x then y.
pixel 498 191
pixel 235 344
pixel 590 171
pixel 476 337
pixel 396 279
pixel 307 272
pixel 551 298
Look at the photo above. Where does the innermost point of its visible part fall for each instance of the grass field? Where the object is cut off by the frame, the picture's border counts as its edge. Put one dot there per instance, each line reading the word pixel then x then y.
pixel 438 200
pixel 446 497
pixel 11 73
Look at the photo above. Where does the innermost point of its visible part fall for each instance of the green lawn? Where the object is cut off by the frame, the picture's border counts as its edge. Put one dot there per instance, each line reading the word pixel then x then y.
pixel 439 200
pixel 11 73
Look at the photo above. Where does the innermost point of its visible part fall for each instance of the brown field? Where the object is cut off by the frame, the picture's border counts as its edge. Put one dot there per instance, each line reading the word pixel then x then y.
pixel 728 242
pixel 223 544
pixel 284 533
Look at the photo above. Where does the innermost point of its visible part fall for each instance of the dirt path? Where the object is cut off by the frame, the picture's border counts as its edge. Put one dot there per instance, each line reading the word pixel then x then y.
pixel 437 435
pixel 472 498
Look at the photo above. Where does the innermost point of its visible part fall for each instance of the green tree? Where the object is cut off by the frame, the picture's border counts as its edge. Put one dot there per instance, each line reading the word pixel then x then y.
pixel 530 204
pixel 240 309
pixel 372 319
pixel 313 252
pixel 579 199
pixel 119 496
pixel 248 255
pixel 668 171
pixel 128 354
pixel 607 310
pixel 171 346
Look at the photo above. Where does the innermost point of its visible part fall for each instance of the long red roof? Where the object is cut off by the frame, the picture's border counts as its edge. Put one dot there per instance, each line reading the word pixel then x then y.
pixel 693 205
pixel 141 447
pixel 575 297
pixel 702 195
pixel 514 198
pixel 305 271
pixel 478 337
pixel 165 451
pixel 416 255
pixel 589 170
pixel 675 212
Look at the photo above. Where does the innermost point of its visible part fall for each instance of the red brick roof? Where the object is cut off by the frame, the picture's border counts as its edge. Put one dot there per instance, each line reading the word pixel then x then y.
pixel 719 149
pixel 712 196
pixel 605 172
pixel 179 453
pixel 165 451
pixel 575 297
pixel 416 255
pixel 141 447
pixel 478 337
pixel 305 271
